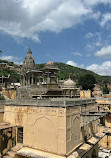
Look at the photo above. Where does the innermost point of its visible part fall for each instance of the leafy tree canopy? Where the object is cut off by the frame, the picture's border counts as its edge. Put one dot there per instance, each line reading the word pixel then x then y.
pixel 105 90
pixel 87 81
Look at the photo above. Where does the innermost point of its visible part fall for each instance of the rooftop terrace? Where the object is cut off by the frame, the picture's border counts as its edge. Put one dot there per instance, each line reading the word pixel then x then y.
pixel 52 102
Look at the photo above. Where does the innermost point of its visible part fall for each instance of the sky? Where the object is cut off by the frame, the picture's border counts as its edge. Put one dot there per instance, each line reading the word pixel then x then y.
pixel 75 32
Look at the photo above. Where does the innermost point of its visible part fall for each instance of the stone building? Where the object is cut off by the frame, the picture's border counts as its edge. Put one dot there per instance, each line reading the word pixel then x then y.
pixel 43 83
pixel 69 89
pixel 97 92
pixel 59 127
pixel 48 121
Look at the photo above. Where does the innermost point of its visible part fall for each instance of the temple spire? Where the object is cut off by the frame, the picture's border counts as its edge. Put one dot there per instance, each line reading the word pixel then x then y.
pixel 29 51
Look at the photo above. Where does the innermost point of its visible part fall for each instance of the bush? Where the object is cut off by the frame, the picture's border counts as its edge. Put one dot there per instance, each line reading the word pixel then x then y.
pixel 2 97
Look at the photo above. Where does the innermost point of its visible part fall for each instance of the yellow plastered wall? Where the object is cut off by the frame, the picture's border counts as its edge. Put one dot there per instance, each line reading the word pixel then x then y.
pixel 10 93
pixel 85 94
pixel 72 128
pixel 1 117
pixel 108 121
pixel 44 127
pixel 102 101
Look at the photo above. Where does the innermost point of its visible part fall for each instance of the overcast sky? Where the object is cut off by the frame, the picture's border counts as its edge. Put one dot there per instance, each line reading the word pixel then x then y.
pixel 76 32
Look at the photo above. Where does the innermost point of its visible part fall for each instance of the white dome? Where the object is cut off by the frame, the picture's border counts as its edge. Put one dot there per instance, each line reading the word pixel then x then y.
pixel 69 83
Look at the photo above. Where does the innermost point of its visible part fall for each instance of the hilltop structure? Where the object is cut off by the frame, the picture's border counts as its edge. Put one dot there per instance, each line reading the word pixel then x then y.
pixel 47 120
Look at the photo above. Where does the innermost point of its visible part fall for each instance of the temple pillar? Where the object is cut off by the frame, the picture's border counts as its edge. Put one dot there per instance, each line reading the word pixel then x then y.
pixel 28 80
pixel 57 78
pixel 32 79
pixel 23 80
pixel 39 79
pixel 48 78
pixel 43 79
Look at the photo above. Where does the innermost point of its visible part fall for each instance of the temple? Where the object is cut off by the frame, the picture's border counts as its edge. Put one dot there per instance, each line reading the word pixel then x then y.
pixel 49 120
pixel 43 83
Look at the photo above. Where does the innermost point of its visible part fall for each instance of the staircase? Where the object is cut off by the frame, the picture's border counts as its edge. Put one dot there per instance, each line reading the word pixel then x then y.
pixel 13 151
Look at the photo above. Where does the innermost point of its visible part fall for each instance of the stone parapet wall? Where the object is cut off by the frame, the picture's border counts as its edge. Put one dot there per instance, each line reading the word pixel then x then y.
pixel 62 102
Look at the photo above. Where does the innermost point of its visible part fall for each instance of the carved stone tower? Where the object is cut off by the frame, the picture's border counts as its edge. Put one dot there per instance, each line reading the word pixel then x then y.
pixel 29 63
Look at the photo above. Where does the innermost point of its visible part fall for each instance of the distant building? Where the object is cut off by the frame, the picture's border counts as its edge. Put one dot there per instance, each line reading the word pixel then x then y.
pixel 3 65
pixel 97 92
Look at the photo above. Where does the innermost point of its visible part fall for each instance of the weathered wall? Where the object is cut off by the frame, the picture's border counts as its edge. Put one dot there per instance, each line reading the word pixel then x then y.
pixel 52 129
pixel 93 153
pixel 103 100
pixel 108 121
pixel 72 128
pixel 85 94
pixel 1 116
pixel 7 139
pixel 10 93
pixel 1 113
pixel 75 134
pixel 44 127
pixel 89 130
pixel 105 142
pixel 88 108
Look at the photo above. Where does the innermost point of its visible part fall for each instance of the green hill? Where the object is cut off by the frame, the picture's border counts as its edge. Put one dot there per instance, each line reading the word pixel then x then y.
pixel 65 71
pixel 75 72
pixel 13 73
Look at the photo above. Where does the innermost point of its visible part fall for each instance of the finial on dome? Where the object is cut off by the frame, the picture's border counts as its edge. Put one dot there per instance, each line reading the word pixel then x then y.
pixel 50 63
pixel 29 51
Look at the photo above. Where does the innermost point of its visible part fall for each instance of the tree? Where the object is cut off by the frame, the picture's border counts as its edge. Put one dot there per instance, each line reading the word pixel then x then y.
pixel 105 90
pixel 87 82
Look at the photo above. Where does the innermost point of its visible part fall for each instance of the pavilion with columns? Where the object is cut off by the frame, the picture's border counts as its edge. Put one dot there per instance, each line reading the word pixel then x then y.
pixel 30 76
pixel 41 83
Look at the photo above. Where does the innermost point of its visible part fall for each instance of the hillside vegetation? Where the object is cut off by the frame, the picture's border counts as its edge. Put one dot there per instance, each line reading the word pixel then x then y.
pixel 65 71
pixel 75 73
pixel 5 71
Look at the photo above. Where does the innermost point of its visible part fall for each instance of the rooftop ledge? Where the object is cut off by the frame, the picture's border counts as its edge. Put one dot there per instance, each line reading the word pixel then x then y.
pixel 52 102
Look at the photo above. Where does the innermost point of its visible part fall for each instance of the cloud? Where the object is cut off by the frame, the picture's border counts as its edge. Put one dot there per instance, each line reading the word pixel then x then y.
pixel 9 58
pixel 74 64
pixel 16 60
pixel 96 2
pixel 105 19
pixel 27 18
pixel 77 53
pixel 94 42
pixel 103 69
pixel 104 52
pixel 89 35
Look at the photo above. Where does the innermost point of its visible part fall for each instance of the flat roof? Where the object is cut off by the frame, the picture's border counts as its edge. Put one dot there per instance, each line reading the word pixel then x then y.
pixel 34 153
pixel 50 102
pixel 4 125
